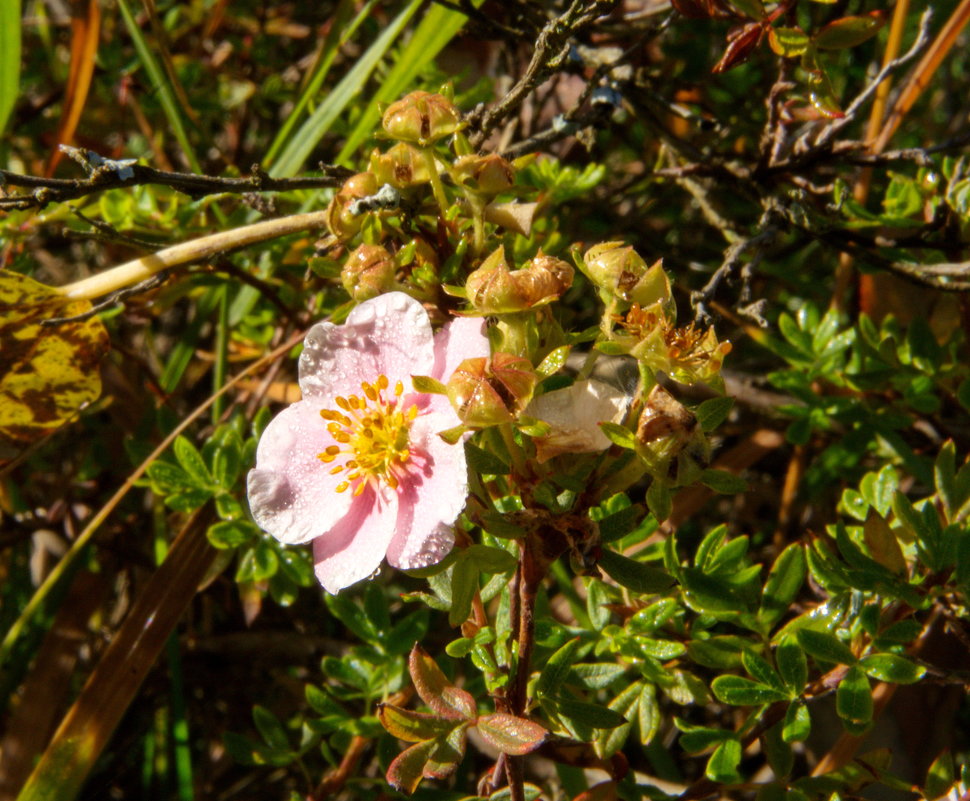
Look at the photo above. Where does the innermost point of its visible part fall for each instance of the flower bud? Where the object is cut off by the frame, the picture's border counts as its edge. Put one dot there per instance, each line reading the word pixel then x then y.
pixel 421 117
pixel 546 277
pixel 487 392
pixel 368 272
pixel 620 270
pixel 487 175
pixel 492 289
pixel 401 166
pixel 342 222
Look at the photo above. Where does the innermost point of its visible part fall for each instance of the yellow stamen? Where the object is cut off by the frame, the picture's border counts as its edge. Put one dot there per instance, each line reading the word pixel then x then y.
pixel 372 436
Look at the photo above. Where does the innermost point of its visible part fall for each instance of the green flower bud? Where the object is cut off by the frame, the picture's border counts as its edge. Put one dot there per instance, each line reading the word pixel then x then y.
pixel 341 220
pixel 620 271
pixel 487 392
pixel 487 175
pixel 491 288
pixel 421 117
pixel 494 289
pixel 368 272
pixel 401 166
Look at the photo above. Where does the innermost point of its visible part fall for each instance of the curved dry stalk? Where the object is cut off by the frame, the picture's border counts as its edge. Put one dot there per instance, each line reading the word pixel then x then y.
pixel 143 268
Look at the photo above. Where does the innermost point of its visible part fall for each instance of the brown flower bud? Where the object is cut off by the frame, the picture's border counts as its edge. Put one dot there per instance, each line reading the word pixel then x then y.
pixel 401 166
pixel 368 272
pixel 487 392
pixel 620 271
pixel 491 288
pixel 421 117
pixel 487 175
pixel 494 289
pixel 341 220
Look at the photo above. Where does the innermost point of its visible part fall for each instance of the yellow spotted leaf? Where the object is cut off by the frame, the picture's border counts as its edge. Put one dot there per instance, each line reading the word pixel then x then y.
pixel 47 373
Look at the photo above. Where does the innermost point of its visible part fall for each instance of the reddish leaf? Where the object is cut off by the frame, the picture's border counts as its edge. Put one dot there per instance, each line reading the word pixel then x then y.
pixel 412 727
pixel 436 691
pixel 740 46
pixel 787 42
pixel 699 9
pixel 604 791
pixel 407 769
pixel 849 31
pixel 510 734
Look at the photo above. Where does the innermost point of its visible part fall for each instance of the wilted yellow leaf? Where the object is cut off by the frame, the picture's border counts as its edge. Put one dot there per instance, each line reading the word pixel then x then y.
pixel 47 373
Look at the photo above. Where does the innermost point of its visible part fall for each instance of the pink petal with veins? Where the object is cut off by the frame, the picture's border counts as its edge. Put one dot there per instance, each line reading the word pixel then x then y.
pixel 353 549
pixel 389 335
pixel 431 499
pixel 291 492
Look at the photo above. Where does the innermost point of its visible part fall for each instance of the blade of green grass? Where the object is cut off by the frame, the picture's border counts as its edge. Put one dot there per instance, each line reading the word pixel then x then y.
pixel 438 27
pixel 299 148
pixel 159 81
pixel 9 58
pixel 339 33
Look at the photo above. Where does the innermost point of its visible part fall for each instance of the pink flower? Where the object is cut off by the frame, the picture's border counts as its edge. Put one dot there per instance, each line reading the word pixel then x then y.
pixel 356 465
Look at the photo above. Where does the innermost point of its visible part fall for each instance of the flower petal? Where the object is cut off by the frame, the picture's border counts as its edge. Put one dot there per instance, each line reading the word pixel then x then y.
pixel 462 338
pixel 574 413
pixel 291 492
pixel 353 549
pixel 431 498
pixel 390 335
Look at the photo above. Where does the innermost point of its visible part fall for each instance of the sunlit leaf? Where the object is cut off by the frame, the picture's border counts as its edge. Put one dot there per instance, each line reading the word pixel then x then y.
pixel 47 373
pixel 510 734
pixel 434 688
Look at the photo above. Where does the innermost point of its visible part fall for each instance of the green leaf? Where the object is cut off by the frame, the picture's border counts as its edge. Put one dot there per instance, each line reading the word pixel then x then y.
pixel 634 575
pixel 649 619
pixel 825 646
pixel 619 435
pixel 648 714
pixel 781 759
pixel 231 533
pixel 428 385
pixel 723 763
pixel 694 739
pixel 723 482
pixel 556 669
pixel 596 675
pixel 659 501
pixel 625 704
pixel 739 691
pixel 614 526
pixel 797 724
pixel 848 31
pixel 787 42
pixel 759 669
pixel 792 664
pixel 554 361
pixel 892 668
pixel 9 59
pixel 167 478
pixel 941 776
pixel 407 769
pixel 853 700
pixel 464 583
pixel 270 728
pixel 192 462
pixel 510 734
pixel 711 413
pixel 582 714
pixel 784 581
pixel 485 463
pixel 490 560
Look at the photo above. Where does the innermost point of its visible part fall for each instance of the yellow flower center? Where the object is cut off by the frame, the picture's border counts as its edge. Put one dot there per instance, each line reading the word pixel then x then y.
pixel 371 432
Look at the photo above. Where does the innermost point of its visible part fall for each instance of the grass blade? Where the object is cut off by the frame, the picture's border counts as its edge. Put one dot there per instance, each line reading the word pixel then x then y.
pixel 159 81
pixel 112 686
pixel 300 147
pixel 9 58
pixel 339 33
pixel 438 27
